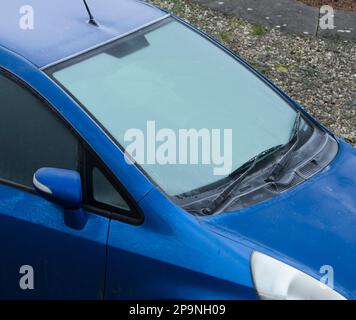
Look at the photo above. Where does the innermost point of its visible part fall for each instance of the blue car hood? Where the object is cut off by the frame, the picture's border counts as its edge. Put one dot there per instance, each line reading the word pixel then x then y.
pixel 309 226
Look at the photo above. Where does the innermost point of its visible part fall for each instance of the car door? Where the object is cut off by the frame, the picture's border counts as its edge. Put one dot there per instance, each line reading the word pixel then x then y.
pixel 41 256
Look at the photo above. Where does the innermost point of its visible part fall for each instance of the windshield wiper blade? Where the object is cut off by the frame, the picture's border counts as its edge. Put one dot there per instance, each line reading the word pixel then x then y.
pixel 282 163
pixel 249 165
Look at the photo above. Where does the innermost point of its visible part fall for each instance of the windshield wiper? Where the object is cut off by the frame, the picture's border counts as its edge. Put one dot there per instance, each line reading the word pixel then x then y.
pixel 282 163
pixel 248 166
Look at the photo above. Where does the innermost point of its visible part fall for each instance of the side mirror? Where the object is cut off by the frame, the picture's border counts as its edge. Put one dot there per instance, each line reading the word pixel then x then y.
pixel 59 186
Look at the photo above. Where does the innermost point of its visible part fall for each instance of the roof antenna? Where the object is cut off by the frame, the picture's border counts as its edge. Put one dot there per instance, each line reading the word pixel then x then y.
pixel 91 18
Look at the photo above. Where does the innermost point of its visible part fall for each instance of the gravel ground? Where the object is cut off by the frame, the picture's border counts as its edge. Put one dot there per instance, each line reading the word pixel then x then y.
pixel 319 74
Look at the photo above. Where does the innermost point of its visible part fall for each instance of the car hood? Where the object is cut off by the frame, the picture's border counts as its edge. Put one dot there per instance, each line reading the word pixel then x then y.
pixel 309 226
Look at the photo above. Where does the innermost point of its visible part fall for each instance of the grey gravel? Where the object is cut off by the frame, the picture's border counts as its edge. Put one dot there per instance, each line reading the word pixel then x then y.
pixel 320 74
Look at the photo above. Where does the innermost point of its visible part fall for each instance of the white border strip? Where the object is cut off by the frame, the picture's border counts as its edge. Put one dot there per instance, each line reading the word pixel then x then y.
pixel 105 42
pixel 41 186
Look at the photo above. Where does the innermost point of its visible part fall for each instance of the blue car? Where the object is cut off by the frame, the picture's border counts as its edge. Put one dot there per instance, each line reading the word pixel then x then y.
pixel 81 218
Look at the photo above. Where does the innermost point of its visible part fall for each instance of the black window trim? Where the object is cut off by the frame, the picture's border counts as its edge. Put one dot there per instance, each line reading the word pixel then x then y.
pixel 134 216
pixel 90 160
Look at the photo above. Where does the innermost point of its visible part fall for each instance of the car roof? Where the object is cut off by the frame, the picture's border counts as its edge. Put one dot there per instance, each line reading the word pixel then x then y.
pixel 61 28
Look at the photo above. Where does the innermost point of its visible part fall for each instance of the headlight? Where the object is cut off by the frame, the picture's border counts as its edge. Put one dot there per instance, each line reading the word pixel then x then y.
pixel 275 280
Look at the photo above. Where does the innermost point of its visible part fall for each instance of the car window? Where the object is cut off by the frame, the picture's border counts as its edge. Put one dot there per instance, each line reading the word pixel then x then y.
pixel 31 136
pixel 104 192
pixel 168 76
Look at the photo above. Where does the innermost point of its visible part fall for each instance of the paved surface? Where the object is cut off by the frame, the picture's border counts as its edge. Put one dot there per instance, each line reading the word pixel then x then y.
pixel 345 26
pixel 287 15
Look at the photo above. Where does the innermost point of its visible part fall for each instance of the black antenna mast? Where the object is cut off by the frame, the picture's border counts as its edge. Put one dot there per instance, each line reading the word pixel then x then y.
pixel 91 18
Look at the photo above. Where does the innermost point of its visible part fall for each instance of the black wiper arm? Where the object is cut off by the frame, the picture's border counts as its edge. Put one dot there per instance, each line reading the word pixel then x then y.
pixel 249 165
pixel 281 164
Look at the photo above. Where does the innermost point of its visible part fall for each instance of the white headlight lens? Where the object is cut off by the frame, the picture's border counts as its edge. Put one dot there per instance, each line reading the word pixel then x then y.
pixel 275 280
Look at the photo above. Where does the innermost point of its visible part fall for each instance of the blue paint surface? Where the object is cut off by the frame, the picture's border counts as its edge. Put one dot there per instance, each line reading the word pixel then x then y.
pixel 67 263
pixel 172 254
pixel 309 226
pixel 61 29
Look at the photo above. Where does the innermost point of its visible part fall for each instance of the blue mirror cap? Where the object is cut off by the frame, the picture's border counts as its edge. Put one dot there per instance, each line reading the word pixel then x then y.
pixel 60 186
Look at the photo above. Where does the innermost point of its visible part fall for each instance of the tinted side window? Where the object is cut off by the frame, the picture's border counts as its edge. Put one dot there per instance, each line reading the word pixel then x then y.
pixel 104 192
pixel 31 136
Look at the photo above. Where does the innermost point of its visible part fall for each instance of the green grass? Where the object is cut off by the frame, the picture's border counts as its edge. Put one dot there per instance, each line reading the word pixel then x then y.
pixel 281 68
pixel 258 30
pixel 226 36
